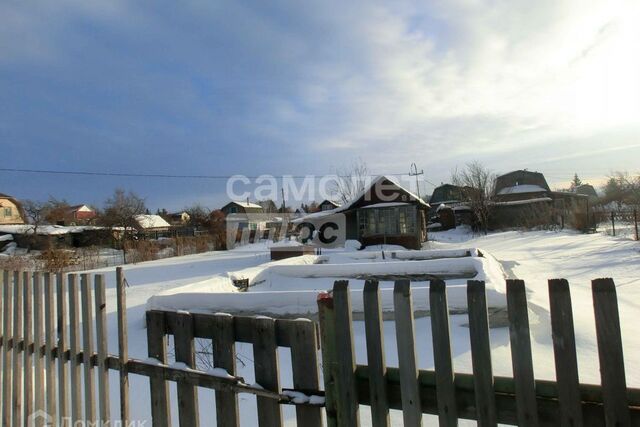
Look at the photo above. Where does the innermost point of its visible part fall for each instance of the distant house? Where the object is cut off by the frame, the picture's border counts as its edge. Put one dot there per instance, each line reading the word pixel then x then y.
pixel 523 197
pixel 587 190
pixel 10 210
pixel 327 205
pixel 79 214
pixel 178 218
pixel 383 213
pixel 449 206
pixel 151 225
pixel 241 214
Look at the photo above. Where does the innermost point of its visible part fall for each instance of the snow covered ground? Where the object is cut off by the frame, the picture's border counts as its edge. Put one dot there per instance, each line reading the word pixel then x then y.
pixel 531 256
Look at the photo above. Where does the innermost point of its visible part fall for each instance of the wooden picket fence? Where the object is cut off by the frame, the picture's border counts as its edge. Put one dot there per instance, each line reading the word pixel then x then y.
pixel 480 396
pixel 54 360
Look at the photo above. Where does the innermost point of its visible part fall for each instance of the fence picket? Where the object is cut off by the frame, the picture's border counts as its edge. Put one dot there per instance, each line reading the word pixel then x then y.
pixel 87 349
pixel 443 364
pixel 102 347
pixel 346 396
pixel 405 340
pixel 564 349
pixel 185 352
pixel 265 360
pixel 521 357
pixel 304 361
pixel 7 332
pixel 18 297
pixel 27 322
pixel 38 333
pixel 614 386
pixel 326 315
pixel 224 356
pixel 49 326
pixel 3 338
pixel 159 388
pixel 74 349
pixel 375 354
pixel 63 380
pixel 123 347
pixel 481 353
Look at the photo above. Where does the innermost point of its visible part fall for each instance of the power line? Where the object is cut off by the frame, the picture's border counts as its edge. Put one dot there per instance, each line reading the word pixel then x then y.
pixel 170 176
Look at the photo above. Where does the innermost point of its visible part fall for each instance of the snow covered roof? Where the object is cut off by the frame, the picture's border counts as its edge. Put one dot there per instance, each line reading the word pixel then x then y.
pixel 385 205
pixel 524 202
pixel 45 229
pixel 373 183
pixel 519 189
pixel 246 204
pixel 151 221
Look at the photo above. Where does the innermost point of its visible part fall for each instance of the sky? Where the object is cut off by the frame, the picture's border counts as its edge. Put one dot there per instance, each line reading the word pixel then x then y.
pixel 222 88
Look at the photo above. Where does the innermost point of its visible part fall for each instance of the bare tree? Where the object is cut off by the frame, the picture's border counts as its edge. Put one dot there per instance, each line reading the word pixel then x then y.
pixel 477 184
pixel 198 216
pixel 350 181
pixel 120 211
pixel 35 212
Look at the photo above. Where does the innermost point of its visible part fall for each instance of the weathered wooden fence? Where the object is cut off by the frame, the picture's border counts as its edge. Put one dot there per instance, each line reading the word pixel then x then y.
pixel 480 396
pixel 54 360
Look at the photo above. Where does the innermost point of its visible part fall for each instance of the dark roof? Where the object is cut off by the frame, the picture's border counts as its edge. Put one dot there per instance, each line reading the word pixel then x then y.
pixel 446 193
pixel 587 190
pixel 521 177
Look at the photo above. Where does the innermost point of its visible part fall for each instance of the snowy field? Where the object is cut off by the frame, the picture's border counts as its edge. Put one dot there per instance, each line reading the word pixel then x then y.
pixel 531 256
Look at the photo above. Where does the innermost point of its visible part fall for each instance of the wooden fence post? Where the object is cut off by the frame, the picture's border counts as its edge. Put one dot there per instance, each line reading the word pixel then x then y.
pixel 27 344
pixel 38 334
pixel 17 347
pixel 443 363
pixel 405 340
pixel 614 386
pixel 3 338
pixel 521 357
pixel 49 326
pixel 224 356
pixel 326 315
pixel 613 223
pixel 265 361
pixel 481 354
pixel 103 353
pixel 347 398
pixel 159 388
pixel 75 369
pixel 63 380
pixel 375 354
pixel 123 347
pixel 564 349
pixel 87 349
pixel 7 332
pixel 304 361
pixel 185 353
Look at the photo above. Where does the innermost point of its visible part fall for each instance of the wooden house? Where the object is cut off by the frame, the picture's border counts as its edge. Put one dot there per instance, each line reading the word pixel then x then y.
pixel 327 205
pixel 79 214
pixel 10 210
pixel 242 214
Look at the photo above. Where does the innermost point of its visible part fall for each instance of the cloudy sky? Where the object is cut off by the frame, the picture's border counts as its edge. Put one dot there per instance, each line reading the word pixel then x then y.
pixel 305 87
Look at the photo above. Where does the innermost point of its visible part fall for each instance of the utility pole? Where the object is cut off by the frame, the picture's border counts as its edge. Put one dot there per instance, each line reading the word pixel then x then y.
pixel 413 171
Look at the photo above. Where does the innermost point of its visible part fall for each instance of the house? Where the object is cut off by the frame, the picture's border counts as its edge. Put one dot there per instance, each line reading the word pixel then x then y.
pixel 151 225
pixel 383 213
pixel 587 190
pixel 327 205
pixel 523 198
pixel 244 215
pixel 10 210
pixel 449 206
pixel 178 218
pixel 79 214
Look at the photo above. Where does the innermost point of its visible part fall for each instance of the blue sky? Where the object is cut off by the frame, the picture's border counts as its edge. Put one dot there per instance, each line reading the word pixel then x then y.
pixel 289 87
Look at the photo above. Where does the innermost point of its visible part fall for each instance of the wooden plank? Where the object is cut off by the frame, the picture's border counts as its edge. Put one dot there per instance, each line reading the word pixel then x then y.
pixel 7 362
pixel 405 340
pixel 304 361
pixel 375 354
pixel 443 363
pixel 4 338
pixel 87 349
pixel 481 353
pixel 614 386
pixel 49 325
pixel 326 316
pixel 185 353
pixel 38 342
pixel 346 395
pixel 265 361
pixel 102 335
pixel 123 347
pixel 63 378
pixel 18 298
pixel 75 370
pixel 224 357
pixel 157 349
pixel 27 302
pixel 521 357
pixel 564 349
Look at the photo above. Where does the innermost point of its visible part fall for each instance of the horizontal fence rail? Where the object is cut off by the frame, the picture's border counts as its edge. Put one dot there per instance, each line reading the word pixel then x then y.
pixel 481 396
